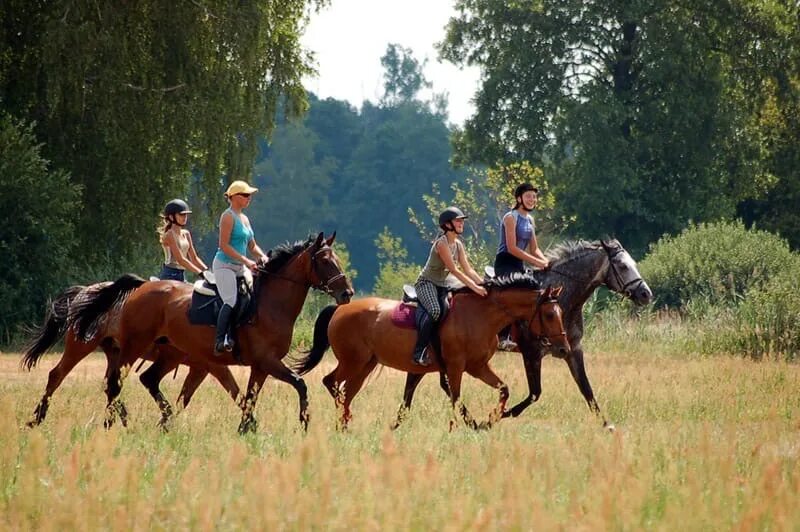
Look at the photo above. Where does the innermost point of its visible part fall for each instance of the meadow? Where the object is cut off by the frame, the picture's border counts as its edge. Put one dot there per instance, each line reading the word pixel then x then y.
pixel 701 443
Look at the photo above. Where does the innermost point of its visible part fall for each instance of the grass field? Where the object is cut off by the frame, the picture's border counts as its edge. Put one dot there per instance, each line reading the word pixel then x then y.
pixel 702 444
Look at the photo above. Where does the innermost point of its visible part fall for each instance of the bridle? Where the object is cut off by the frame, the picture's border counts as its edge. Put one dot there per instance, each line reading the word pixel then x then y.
pixel 546 340
pixel 322 286
pixel 624 288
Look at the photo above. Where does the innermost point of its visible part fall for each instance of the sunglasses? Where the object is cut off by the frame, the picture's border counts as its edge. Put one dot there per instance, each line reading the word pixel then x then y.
pixel 244 194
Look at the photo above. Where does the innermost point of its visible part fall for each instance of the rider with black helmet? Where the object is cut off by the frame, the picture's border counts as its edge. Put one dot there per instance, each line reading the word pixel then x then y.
pixel 518 244
pixel 446 255
pixel 179 252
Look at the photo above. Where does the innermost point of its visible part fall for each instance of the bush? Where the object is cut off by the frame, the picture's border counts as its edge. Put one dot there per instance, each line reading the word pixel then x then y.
pixel 769 318
pixel 717 262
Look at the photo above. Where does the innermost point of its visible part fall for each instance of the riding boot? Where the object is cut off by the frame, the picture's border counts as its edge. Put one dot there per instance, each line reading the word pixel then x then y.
pixel 425 329
pixel 223 342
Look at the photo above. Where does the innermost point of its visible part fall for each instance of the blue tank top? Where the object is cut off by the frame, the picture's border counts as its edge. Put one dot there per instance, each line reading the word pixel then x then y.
pixel 241 235
pixel 525 229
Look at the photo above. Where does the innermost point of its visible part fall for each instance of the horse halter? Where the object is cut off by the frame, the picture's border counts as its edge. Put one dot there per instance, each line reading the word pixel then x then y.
pixel 323 286
pixel 624 288
pixel 546 340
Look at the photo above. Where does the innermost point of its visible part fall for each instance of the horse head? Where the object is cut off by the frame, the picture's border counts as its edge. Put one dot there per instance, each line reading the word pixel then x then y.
pixel 547 324
pixel 326 272
pixel 623 274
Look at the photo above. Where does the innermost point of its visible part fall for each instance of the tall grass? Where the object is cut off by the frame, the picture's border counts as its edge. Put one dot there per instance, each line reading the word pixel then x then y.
pixel 702 443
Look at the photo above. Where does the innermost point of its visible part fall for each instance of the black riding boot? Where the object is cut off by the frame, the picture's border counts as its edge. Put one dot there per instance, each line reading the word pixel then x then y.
pixel 425 329
pixel 223 341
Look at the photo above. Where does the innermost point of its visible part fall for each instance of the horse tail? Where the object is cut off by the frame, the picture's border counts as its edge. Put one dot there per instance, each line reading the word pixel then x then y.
pixel 56 321
pixel 312 359
pixel 89 312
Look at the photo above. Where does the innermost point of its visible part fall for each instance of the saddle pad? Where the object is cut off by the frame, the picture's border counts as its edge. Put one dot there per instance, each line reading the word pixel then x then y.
pixel 403 316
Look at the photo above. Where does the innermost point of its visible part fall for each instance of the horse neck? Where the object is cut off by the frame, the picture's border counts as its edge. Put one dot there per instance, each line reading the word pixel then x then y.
pixel 284 292
pixel 581 278
pixel 510 304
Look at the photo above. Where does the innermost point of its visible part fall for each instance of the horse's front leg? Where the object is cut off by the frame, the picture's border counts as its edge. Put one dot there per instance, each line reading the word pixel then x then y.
pixel 488 376
pixel 412 381
pixel 578 371
pixel 254 385
pixel 532 359
pixel 454 375
pixel 276 368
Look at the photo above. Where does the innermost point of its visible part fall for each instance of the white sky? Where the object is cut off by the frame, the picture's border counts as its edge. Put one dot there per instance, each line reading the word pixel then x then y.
pixel 350 36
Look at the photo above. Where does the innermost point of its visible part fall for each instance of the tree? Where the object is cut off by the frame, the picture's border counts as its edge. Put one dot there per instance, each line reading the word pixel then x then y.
pixel 403 76
pixel 37 208
pixel 643 114
pixel 130 98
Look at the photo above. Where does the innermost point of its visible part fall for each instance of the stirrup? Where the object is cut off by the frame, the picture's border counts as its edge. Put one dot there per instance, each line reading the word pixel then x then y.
pixel 423 359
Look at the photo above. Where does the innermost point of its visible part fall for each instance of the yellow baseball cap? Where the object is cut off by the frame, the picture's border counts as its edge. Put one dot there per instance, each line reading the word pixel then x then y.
pixel 239 187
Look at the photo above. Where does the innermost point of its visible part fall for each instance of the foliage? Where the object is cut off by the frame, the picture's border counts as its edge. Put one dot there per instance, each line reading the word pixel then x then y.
pixel 768 321
pixel 645 115
pixel 37 207
pixel 395 270
pixel 403 75
pixel 132 97
pixel 721 261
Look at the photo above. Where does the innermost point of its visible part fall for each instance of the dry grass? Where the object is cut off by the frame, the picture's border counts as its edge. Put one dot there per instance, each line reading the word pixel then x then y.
pixel 703 444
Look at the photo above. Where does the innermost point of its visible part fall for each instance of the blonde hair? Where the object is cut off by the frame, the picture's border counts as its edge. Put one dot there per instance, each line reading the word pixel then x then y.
pixel 163 226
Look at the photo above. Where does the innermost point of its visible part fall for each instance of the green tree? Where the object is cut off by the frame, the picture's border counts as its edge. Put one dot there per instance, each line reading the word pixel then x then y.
pixel 132 97
pixel 403 75
pixel 37 208
pixel 644 114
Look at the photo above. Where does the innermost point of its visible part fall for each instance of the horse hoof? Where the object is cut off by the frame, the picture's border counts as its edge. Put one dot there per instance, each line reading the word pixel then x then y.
pixel 610 427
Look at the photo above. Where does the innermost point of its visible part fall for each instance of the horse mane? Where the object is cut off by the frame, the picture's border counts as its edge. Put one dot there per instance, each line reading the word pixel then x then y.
pixel 515 280
pixel 281 254
pixel 570 249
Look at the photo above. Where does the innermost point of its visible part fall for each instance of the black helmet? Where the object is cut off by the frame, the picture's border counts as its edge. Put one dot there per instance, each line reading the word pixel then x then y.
pixel 523 188
pixel 176 206
pixel 450 214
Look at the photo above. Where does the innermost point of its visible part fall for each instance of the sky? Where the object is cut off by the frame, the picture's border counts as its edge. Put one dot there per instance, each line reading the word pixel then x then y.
pixel 349 37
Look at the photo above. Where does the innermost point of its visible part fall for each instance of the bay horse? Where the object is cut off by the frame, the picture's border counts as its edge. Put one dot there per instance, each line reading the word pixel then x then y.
pixel 362 335
pixel 59 323
pixel 157 313
pixel 580 267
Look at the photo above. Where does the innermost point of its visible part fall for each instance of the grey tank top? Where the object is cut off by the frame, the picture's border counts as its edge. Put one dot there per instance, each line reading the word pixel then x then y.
pixel 435 270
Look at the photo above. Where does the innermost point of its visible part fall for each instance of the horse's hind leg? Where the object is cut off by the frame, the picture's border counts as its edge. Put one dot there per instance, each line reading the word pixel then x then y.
pixel 74 352
pixel 488 376
pixel 353 381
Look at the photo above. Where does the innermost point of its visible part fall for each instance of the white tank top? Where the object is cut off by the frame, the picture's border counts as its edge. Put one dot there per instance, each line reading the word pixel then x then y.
pixel 183 246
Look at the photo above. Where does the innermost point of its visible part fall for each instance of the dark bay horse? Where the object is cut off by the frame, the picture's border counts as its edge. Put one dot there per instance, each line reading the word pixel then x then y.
pixel 580 267
pixel 363 335
pixel 157 313
pixel 59 323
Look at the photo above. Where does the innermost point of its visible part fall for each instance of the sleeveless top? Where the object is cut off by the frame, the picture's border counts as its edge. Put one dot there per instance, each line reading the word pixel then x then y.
pixel 183 246
pixel 434 269
pixel 525 231
pixel 241 235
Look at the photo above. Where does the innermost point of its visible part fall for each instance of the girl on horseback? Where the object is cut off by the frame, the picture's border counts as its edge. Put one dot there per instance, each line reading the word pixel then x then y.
pixel 235 241
pixel 176 240
pixel 446 255
pixel 518 243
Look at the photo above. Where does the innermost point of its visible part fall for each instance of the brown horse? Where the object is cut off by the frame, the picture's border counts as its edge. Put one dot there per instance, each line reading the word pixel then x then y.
pixel 362 335
pixel 58 324
pixel 157 313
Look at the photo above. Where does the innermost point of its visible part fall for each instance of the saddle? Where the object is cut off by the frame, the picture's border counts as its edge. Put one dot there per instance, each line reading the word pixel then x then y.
pixel 206 302
pixel 408 312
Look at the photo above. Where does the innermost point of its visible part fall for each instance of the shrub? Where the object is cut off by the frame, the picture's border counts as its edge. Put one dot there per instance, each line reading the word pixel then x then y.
pixel 718 262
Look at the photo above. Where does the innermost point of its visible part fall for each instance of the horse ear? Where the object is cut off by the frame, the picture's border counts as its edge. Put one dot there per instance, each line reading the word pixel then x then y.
pixel 547 292
pixel 557 291
pixel 330 239
pixel 318 242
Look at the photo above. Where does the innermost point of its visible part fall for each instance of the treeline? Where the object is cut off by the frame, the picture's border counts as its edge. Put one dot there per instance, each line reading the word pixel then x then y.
pixel 637 117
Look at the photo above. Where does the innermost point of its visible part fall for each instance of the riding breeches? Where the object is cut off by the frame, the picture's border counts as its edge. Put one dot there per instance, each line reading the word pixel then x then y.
pixel 431 296
pixel 225 275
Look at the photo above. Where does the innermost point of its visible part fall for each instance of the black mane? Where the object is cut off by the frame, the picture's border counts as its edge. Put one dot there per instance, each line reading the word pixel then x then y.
pixel 281 254
pixel 515 280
